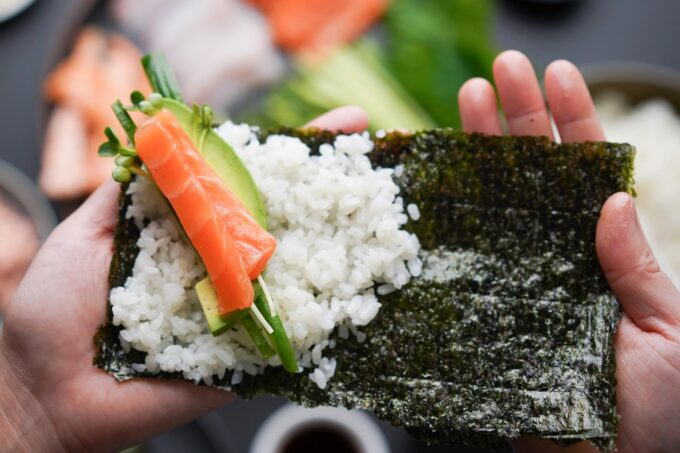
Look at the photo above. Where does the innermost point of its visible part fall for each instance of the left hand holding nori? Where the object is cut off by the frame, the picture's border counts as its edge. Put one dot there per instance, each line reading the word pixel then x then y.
pixel 51 397
pixel 648 338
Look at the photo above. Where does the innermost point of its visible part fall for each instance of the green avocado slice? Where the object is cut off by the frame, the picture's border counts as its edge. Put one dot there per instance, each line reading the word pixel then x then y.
pixel 221 158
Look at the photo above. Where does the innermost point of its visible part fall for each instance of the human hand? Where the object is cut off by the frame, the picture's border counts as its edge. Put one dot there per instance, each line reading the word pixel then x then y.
pixel 647 341
pixel 51 397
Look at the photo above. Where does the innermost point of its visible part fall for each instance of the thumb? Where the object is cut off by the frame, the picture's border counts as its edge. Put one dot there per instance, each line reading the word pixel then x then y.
pixel 96 217
pixel 647 295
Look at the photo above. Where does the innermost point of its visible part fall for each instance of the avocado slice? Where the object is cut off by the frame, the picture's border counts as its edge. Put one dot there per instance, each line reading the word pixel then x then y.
pixel 221 158
pixel 208 298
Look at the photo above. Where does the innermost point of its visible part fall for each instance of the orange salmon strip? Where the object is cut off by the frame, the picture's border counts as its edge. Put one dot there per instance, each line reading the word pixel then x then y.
pixel 255 245
pixel 179 171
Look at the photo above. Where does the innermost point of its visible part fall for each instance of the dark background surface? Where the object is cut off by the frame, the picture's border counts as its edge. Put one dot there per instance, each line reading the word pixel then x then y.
pixel 585 31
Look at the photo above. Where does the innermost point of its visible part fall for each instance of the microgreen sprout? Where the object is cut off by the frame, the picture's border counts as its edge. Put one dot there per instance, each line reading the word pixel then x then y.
pixel 136 97
pixel 149 106
pixel 156 100
pixel 121 174
pixel 126 159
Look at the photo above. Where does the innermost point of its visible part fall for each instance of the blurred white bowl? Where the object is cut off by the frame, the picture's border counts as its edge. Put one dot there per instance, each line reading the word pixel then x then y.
pixel 10 8
pixel 291 421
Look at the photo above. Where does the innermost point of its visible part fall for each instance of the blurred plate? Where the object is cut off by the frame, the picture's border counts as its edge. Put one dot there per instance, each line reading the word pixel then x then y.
pixel 10 8
pixel 23 193
pixel 637 81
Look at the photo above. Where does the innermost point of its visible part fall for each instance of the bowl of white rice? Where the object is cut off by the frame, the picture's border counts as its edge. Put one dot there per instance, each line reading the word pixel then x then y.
pixel 640 104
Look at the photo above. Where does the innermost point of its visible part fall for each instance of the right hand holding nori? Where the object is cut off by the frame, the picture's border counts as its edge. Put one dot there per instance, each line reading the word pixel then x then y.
pixel 648 337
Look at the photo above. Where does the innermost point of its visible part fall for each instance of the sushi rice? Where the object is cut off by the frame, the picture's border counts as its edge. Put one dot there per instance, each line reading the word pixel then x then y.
pixel 338 223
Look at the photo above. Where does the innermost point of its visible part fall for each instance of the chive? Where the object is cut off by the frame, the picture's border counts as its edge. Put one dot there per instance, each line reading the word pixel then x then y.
pixel 125 120
pixel 279 336
pixel 161 77
pixel 258 338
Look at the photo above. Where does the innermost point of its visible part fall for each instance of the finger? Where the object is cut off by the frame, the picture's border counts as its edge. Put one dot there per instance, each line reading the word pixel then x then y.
pixel 478 110
pixel 95 218
pixel 145 407
pixel 346 119
pixel 532 444
pixel 571 104
pixel 520 95
pixel 647 295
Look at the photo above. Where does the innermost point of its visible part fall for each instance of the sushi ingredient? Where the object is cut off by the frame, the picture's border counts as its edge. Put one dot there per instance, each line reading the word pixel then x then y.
pixel 209 302
pixel 228 40
pixel 161 77
pixel 182 176
pixel 221 158
pixel 256 335
pixel 427 49
pixel 300 26
pixel 448 42
pixel 278 335
pixel 63 172
pixel 256 246
pixel 654 128
pixel 125 121
pixel 102 66
pixel 351 75
pixel 19 244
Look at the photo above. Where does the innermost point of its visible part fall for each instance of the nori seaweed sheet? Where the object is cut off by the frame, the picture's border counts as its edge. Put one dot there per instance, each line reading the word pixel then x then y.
pixel 509 329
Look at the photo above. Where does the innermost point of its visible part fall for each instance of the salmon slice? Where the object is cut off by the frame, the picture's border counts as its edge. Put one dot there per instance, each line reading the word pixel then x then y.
pixel 220 228
pixel 256 246
pixel 63 172
pixel 298 27
pixel 102 67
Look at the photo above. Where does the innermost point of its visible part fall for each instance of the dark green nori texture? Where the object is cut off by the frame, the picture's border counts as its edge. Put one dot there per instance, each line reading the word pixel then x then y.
pixel 509 330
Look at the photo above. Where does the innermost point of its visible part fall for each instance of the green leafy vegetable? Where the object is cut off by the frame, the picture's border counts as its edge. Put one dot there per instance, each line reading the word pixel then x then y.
pixel 257 336
pixel 434 46
pixel 279 337
pixel 161 76
pixel 428 49
pixel 125 121
pixel 353 75
pixel 136 97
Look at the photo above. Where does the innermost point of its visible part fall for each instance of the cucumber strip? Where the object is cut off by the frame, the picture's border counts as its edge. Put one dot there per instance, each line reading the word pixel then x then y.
pixel 230 321
pixel 125 120
pixel 256 335
pixel 279 337
pixel 160 76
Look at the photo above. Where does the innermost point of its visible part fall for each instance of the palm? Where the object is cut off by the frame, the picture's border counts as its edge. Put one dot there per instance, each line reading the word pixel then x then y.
pixel 647 342
pixel 50 325
pixel 648 373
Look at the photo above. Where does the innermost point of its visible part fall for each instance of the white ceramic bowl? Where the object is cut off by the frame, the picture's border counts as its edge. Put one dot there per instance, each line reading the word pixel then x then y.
pixel 276 431
pixel 10 8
